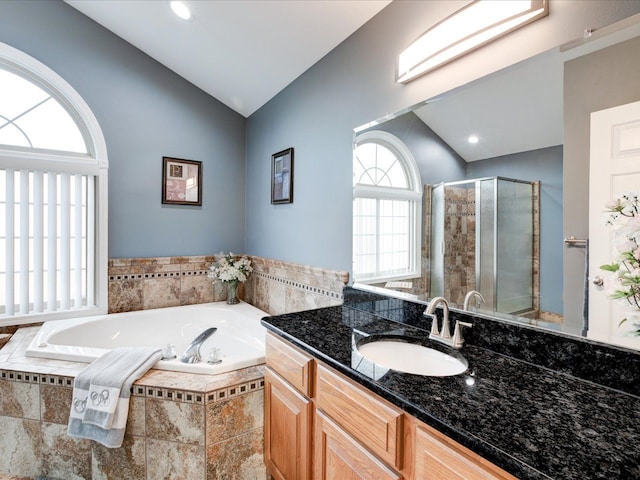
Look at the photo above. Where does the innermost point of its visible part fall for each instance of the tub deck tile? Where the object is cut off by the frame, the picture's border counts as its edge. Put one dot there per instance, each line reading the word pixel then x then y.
pixel 175 422
pixel 63 456
pixel 127 462
pixel 21 448
pixel 19 400
pixel 174 461
pixel 238 457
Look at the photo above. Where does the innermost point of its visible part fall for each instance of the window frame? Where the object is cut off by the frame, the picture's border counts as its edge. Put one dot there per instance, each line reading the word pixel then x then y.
pixel 412 194
pixel 95 162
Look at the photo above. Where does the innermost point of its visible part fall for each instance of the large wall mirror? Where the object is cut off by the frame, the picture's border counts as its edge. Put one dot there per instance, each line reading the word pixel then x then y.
pixel 494 169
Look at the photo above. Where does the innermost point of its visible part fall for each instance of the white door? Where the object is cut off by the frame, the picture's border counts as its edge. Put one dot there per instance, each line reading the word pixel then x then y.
pixel 614 170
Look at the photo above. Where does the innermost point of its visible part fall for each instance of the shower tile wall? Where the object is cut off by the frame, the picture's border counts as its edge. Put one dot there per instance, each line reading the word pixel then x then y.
pixel 274 286
pixel 421 285
pixel 460 238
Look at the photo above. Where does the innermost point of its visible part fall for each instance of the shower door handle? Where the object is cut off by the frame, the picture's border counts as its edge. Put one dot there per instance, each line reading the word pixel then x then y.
pixel 598 281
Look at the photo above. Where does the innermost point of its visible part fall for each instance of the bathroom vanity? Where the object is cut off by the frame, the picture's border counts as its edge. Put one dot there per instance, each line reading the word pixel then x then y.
pixel 531 405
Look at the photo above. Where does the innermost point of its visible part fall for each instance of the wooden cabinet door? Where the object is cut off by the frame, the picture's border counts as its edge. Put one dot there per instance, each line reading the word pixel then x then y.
pixel 287 430
pixel 437 457
pixel 339 457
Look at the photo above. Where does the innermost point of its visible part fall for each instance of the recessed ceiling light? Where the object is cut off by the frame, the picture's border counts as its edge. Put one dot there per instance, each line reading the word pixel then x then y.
pixel 181 10
pixel 473 139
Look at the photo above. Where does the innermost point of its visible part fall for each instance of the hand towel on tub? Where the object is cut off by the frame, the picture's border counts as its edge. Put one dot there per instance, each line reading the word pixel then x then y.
pixel 101 392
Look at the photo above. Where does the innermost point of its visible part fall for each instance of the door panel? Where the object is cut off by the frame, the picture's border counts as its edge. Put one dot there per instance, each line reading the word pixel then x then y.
pixel 614 169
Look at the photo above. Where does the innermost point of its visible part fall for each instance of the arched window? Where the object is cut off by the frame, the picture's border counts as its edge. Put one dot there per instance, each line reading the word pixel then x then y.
pixel 386 209
pixel 53 197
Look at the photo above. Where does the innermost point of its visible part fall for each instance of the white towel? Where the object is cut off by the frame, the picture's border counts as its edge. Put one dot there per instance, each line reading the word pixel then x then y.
pixel 100 404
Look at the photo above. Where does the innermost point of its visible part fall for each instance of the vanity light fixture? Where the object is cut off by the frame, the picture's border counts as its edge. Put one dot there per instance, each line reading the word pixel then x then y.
pixel 180 9
pixel 475 25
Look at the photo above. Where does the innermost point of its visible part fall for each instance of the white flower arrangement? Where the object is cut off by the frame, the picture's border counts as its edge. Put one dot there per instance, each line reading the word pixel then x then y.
pixel 230 269
pixel 624 217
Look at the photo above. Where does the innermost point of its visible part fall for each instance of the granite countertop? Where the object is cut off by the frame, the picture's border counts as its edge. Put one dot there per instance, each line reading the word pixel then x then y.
pixel 532 421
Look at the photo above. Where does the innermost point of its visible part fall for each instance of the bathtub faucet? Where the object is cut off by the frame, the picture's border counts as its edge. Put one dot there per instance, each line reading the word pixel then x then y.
pixel 192 353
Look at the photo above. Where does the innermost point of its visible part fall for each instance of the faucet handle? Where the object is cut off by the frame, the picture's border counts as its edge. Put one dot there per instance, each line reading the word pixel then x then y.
pixel 168 352
pixel 458 340
pixel 434 323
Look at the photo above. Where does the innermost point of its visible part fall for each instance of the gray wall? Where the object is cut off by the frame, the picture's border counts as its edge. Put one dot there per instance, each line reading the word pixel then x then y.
pixel 591 78
pixel 354 85
pixel 145 112
pixel 544 165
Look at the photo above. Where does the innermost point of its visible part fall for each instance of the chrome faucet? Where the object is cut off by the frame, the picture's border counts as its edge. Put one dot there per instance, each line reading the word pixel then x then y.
pixel 470 296
pixel 444 336
pixel 192 353
pixel 430 310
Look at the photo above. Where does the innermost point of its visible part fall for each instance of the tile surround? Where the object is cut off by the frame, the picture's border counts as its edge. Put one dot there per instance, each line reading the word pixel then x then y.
pixel 189 426
pixel 144 283
pixel 280 287
pixel 175 421
pixel 274 286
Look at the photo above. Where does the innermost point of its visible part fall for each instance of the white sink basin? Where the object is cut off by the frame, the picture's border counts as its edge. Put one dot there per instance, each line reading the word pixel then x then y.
pixel 412 358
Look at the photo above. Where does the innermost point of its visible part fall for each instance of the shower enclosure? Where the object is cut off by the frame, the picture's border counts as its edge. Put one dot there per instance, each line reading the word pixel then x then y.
pixel 482 237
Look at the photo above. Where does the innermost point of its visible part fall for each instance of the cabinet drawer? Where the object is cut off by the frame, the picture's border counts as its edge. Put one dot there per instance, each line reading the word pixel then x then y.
pixel 367 418
pixel 338 456
pixel 291 364
pixel 437 457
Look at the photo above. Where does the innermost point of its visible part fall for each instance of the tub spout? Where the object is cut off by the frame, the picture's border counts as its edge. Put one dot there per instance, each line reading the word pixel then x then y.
pixel 192 353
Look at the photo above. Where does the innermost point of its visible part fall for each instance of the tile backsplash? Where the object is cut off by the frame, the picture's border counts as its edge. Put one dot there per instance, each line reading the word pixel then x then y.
pixel 274 286
pixel 280 287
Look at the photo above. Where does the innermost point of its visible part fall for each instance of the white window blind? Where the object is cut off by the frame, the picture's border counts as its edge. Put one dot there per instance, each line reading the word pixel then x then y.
pixel 47 238
pixel 53 197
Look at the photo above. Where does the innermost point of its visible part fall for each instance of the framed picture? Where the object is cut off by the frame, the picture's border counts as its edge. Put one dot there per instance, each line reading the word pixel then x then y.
pixel 181 181
pixel 282 177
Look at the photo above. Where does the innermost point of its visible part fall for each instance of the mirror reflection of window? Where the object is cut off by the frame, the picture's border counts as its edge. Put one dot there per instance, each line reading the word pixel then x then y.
pixel 386 206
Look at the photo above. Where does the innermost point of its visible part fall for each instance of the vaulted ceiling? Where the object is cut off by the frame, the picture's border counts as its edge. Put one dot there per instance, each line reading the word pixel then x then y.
pixel 242 52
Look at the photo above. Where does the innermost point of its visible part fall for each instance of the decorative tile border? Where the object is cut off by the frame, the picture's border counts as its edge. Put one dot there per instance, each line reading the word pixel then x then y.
pixel 234 391
pixel 170 394
pixel 144 276
pixel 175 395
pixel 201 398
pixel 261 264
pixel 31 377
pixel 299 285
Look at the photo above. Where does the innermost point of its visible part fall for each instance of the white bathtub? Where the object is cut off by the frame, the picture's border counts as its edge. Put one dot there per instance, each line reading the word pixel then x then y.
pixel 240 337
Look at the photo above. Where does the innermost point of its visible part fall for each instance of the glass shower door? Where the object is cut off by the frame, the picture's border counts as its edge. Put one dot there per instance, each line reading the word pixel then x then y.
pixel 514 246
